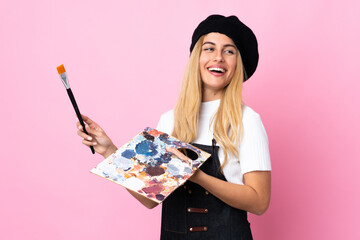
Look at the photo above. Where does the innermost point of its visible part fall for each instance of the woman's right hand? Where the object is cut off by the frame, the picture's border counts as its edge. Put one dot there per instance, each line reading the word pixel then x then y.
pixel 97 137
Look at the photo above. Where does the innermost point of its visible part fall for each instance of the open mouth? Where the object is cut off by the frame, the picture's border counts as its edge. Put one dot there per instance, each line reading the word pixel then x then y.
pixel 216 70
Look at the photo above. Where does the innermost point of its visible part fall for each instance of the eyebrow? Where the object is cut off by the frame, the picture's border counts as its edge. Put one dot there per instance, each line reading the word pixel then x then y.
pixel 226 45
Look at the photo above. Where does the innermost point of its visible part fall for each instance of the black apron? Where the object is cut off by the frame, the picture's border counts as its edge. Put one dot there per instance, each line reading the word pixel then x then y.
pixel 191 212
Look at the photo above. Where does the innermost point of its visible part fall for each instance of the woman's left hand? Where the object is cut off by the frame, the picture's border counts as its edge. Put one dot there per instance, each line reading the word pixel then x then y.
pixel 198 175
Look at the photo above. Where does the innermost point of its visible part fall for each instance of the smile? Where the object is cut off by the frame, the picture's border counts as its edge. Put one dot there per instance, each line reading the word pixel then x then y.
pixel 216 70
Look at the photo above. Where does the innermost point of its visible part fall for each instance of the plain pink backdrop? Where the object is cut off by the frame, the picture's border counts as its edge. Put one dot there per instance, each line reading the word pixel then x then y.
pixel 125 61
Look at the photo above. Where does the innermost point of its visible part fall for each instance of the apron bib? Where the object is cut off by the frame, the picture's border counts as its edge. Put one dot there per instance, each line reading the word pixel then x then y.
pixel 193 213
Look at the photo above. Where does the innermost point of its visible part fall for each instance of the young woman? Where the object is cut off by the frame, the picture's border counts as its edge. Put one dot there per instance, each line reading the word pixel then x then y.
pixel 211 115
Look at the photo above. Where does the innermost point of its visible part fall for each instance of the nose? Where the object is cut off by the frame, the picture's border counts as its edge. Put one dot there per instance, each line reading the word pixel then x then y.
pixel 218 56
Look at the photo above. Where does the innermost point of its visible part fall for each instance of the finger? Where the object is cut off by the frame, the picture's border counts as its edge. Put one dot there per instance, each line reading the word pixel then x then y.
pixel 177 153
pixel 89 143
pixel 79 126
pixel 87 120
pixel 96 132
pixel 84 135
pixel 91 123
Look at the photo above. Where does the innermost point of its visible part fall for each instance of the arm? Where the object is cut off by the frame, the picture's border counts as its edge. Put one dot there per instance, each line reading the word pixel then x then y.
pixel 253 197
pixel 104 146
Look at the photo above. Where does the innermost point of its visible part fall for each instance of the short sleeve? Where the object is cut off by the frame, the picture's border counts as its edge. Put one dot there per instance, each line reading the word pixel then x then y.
pixel 160 124
pixel 166 122
pixel 254 149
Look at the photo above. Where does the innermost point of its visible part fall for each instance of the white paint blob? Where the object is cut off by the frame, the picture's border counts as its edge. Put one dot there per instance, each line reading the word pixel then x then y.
pixel 133 183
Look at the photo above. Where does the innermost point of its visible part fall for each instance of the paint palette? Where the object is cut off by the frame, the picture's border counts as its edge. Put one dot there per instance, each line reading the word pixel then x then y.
pixel 144 166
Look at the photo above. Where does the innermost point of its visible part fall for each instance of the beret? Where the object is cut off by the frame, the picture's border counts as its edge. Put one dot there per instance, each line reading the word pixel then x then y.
pixel 242 36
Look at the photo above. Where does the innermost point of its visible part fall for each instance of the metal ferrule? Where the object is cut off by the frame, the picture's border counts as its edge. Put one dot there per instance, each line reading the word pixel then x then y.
pixel 65 80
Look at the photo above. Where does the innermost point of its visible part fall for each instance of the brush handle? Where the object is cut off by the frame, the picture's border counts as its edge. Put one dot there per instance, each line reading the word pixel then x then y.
pixel 72 99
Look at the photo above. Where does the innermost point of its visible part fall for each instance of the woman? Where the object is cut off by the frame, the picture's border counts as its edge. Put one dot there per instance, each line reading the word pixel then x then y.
pixel 210 114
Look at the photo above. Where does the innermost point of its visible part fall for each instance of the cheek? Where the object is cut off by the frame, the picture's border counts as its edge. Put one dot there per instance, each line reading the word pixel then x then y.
pixel 202 61
pixel 232 65
pixel 202 65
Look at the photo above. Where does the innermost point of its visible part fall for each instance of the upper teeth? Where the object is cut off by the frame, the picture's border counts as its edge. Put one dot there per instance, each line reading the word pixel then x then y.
pixel 217 69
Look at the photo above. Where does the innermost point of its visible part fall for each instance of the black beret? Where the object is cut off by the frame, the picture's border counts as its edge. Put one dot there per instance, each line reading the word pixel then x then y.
pixel 241 34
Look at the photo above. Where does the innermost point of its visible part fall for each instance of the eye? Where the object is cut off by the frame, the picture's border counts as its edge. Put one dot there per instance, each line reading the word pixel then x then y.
pixel 208 49
pixel 231 52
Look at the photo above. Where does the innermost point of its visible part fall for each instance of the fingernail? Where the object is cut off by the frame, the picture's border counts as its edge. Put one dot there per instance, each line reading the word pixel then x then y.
pixel 94 143
pixel 89 138
pixel 79 127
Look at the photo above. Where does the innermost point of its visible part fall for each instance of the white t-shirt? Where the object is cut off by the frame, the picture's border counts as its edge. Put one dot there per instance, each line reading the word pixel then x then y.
pixel 253 150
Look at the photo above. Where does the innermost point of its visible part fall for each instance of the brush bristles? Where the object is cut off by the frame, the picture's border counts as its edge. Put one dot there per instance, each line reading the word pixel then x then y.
pixel 61 69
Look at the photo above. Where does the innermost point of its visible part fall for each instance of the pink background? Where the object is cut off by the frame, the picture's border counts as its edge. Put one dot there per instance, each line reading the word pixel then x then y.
pixel 125 62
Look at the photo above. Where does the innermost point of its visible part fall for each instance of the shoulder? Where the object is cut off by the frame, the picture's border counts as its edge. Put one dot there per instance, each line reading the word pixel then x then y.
pixel 250 118
pixel 249 113
pixel 252 122
pixel 167 116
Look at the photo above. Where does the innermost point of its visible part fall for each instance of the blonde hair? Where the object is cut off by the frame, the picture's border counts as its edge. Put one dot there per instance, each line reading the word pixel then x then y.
pixel 228 130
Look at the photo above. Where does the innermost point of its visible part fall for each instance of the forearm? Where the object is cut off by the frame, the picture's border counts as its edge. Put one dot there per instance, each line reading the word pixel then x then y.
pixel 238 196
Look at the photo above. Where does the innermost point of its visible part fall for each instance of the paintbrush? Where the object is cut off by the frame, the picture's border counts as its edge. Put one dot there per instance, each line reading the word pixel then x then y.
pixel 64 79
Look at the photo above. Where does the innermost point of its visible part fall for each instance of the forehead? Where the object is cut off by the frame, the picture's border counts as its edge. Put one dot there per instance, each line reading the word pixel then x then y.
pixel 218 39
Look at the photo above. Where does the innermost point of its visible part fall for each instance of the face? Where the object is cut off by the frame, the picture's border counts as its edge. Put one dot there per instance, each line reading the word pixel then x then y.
pixel 217 62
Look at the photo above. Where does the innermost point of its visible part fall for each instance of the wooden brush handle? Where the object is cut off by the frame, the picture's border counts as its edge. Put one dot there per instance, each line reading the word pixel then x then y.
pixel 72 99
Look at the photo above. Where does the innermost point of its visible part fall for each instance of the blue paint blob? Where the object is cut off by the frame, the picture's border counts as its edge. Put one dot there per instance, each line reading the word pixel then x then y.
pixel 188 170
pixel 164 158
pixel 158 161
pixel 128 153
pixel 173 170
pixel 123 163
pixel 164 137
pixel 146 148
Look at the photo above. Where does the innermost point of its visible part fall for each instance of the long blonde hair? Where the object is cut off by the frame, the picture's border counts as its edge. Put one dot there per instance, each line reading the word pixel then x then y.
pixel 228 129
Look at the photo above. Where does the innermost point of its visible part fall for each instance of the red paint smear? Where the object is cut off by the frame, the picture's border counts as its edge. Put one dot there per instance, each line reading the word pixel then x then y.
pixel 157 188
pixel 155 133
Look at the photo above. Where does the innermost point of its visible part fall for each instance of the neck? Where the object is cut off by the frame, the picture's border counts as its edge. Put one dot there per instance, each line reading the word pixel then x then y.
pixel 210 95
